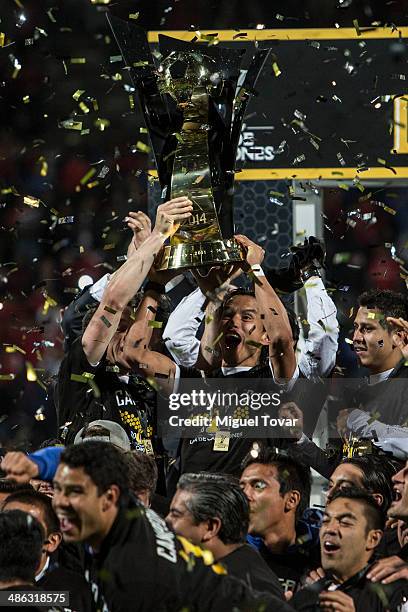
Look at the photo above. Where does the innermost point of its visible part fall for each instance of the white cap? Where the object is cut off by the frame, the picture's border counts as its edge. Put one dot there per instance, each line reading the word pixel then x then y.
pixel 117 435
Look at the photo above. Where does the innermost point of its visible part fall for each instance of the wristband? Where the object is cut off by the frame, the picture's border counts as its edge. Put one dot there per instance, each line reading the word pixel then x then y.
pixel 308 273
pixel 257 270
pixel 152 286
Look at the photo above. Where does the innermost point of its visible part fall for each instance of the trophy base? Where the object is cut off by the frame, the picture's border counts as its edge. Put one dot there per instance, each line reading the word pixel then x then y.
pixel 200 254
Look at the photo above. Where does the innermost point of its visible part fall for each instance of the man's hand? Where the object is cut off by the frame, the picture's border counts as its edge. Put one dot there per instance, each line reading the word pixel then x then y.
pixel 218 277
pixel 336 600
pixel 254 254
pixel 290 410
pixel 19 467
pixel 401 325
pixel 315 575
pixel 388 570
pixel 170 215
pixel 141 227
pixel 341 422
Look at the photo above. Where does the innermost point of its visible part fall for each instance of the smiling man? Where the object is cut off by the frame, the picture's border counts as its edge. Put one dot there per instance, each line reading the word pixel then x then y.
pixel 349 536
pixel 380 405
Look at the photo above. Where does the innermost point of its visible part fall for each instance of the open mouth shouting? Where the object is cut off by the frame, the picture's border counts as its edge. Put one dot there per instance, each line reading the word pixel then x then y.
pixel 330 547
pixel 232 339
pixel 68 523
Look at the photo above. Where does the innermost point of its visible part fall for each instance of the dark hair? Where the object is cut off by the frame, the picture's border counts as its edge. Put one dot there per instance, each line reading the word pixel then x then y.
pixel 218 496
pixel 143 472
pixel 39 500
pixel 102 461
pixel 11 486
pixel 389 303
pixel 374 515
pixel 377 471
pixel 292 475
pixel 21 537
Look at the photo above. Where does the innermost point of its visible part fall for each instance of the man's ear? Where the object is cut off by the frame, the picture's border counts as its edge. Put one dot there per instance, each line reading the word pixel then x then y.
pixel 110 497
pixel 378 498
pixel 399 338
pixel 292 500
pixel 373 538
pixel 52 542
pixel 212 530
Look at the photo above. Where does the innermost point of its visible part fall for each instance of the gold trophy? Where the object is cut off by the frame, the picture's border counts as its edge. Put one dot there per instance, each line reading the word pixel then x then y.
pixel 193 106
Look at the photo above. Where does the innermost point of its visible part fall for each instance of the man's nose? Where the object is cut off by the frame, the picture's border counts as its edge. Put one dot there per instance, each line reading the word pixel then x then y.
pixel 357 336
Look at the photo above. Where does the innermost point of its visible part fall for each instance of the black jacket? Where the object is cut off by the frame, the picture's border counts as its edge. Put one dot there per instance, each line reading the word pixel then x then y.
pixel 367 596
pixel 143 567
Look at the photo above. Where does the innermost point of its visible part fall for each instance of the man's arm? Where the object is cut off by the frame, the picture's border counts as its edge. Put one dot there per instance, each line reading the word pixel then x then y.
pixel 128 279
pixel 182 326
pixel 318 355
pixel 276 322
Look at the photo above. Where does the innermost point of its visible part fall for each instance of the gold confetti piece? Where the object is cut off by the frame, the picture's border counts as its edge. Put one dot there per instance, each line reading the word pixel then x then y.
pixel 39 414
pixel 357 27
pixel 143 130
pixel 78 60
pixel 44 167
pixel 155 324
pixel 87 176
pixel 7 376
pixel 348 341
pixel 84 108
pixel 78 378
pixel 141 146
pixel 375 315
pixel 131 102
pixel 101 124
pixel 30 372
pixel 208 319
pixel 81 249
pixel 13 348
pixel 31 201
pixel 139 64
pixel 70 124
pixel 2 39
pixel 88 375
pixel 105 321
pixel 110 310
pixel 108 247
pixel 26 99
pixel 133 16
pixel 253 343
pixel 51 16
pixel 390 210
pixel 218 338
pixel 93 184
pixel 100 1
pixel 276 69
pixel 343 186
pixel 115 58
pixel 351 312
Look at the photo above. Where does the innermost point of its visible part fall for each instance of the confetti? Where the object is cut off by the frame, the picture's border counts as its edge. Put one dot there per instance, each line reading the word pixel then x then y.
pixel 31 201
pixel 105 321
pixel 142 147
pixel 155 324
pixel 7 377
pixel 110 310
pixel 276 70
pixel 63 220
pixel 31 374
